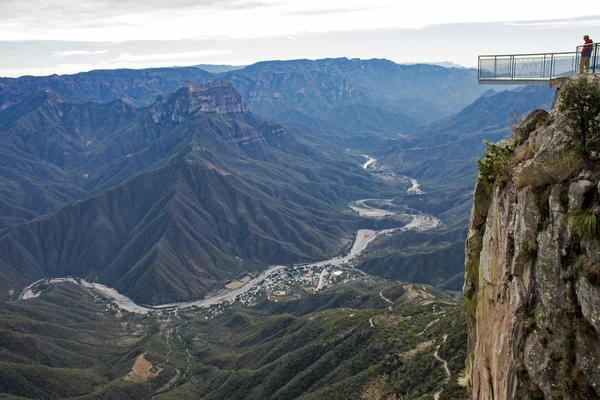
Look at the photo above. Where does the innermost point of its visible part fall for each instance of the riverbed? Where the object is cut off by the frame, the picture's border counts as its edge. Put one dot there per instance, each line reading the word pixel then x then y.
pixel 361 242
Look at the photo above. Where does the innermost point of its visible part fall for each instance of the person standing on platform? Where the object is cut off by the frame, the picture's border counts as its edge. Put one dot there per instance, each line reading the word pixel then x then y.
pixel 586 54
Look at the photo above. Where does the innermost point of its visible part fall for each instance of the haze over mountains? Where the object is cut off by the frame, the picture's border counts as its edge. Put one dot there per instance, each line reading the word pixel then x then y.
pixel 167 196
pixel 174 184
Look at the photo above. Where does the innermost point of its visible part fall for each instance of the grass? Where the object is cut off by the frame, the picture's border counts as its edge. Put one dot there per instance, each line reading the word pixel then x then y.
pixel 558 169
pixel 523 153
pixel 585 223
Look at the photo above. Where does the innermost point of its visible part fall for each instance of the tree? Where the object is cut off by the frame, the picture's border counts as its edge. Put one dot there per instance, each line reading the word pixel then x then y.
pixel 580 102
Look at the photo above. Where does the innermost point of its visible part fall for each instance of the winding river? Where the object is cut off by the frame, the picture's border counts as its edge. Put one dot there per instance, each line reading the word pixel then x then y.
pixel 363 238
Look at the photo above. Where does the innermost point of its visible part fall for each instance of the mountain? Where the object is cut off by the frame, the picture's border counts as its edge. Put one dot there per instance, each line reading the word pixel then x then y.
pixel 492 111
pixel 313 87
pixel 355 95
pixel 137 87
pixel 178 197
pixel 218 68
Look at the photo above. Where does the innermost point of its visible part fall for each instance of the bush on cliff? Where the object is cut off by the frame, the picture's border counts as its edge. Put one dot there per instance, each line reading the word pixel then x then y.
pixel 580 102
pixel 496 161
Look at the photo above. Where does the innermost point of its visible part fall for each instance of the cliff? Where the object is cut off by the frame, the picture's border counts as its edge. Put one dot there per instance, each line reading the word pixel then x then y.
pixel 532 287
pixel 217 97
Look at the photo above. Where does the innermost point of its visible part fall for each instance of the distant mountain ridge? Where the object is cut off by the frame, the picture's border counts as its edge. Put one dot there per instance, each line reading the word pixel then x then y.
pixel 312 87
pixel 137 87
pixel 418 93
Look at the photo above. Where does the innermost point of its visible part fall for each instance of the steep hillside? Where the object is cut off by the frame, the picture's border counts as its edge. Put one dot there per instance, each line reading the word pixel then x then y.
pixel 65 345
pixel 353 341
pixel 532 262
pixel 491 111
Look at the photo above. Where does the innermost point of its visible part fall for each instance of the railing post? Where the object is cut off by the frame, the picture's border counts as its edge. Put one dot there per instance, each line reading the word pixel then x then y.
pixel 513 69
pixel 577 60
pixel 543 71
pixel 495 66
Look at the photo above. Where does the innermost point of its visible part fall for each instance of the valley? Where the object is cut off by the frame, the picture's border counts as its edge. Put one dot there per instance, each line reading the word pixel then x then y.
pixel 362 239
pixel 286 230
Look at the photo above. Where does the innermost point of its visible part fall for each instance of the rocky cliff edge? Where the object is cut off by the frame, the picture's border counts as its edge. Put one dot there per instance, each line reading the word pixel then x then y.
pixel 532 287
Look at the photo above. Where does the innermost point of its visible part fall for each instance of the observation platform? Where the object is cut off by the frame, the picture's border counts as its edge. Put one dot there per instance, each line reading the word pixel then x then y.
pixel 534 69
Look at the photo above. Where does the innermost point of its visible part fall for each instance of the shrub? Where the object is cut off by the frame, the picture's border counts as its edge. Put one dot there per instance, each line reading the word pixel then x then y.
pixel 586 223
pixel 464 379
pixel 523 154
pixel 580 102
pixel 556 170
pixel 496 161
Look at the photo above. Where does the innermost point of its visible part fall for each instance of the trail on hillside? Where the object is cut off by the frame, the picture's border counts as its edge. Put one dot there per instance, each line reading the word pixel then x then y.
pixel 385 298
pixel 437 395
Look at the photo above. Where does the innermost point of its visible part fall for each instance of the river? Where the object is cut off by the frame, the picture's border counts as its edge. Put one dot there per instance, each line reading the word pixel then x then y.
pixel 363 238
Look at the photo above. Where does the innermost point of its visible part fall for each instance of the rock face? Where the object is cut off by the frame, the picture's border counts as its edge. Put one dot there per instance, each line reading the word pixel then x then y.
pixel 214 97
pixel 532 291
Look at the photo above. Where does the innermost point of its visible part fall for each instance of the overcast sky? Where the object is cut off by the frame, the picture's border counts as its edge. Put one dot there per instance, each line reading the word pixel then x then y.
pixel 42 37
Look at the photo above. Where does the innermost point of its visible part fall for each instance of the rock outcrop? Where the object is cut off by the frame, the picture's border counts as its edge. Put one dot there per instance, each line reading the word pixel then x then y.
pixel 217 97
pixel 532 291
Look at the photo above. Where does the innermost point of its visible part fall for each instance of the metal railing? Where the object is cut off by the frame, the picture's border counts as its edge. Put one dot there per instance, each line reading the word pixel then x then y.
pixel 594 57
pixel 534 68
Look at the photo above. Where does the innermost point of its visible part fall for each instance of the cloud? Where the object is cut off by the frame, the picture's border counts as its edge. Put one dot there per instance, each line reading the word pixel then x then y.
pixel 326 11
pixel 69 53
pixel 23 10
pixel 128 20
pixel 129 58
pixel 587 20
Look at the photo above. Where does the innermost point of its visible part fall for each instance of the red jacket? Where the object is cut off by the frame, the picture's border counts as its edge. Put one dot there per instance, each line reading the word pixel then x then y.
pixel 586 51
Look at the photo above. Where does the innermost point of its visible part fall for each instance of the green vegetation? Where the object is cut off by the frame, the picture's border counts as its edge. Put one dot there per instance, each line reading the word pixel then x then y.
pixel 586 223
pixel 495 164
pixel 334 344
pixel 439 253
pixel 330 354
pixel 555 170
pixel 64 344
pixel 580 102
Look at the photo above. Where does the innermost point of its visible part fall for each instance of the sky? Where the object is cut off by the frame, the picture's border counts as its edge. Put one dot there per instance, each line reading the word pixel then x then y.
pixel 43 37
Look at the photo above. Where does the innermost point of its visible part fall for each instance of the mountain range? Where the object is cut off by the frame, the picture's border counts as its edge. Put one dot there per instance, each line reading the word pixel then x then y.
pixel 167 200
pixel 168 184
